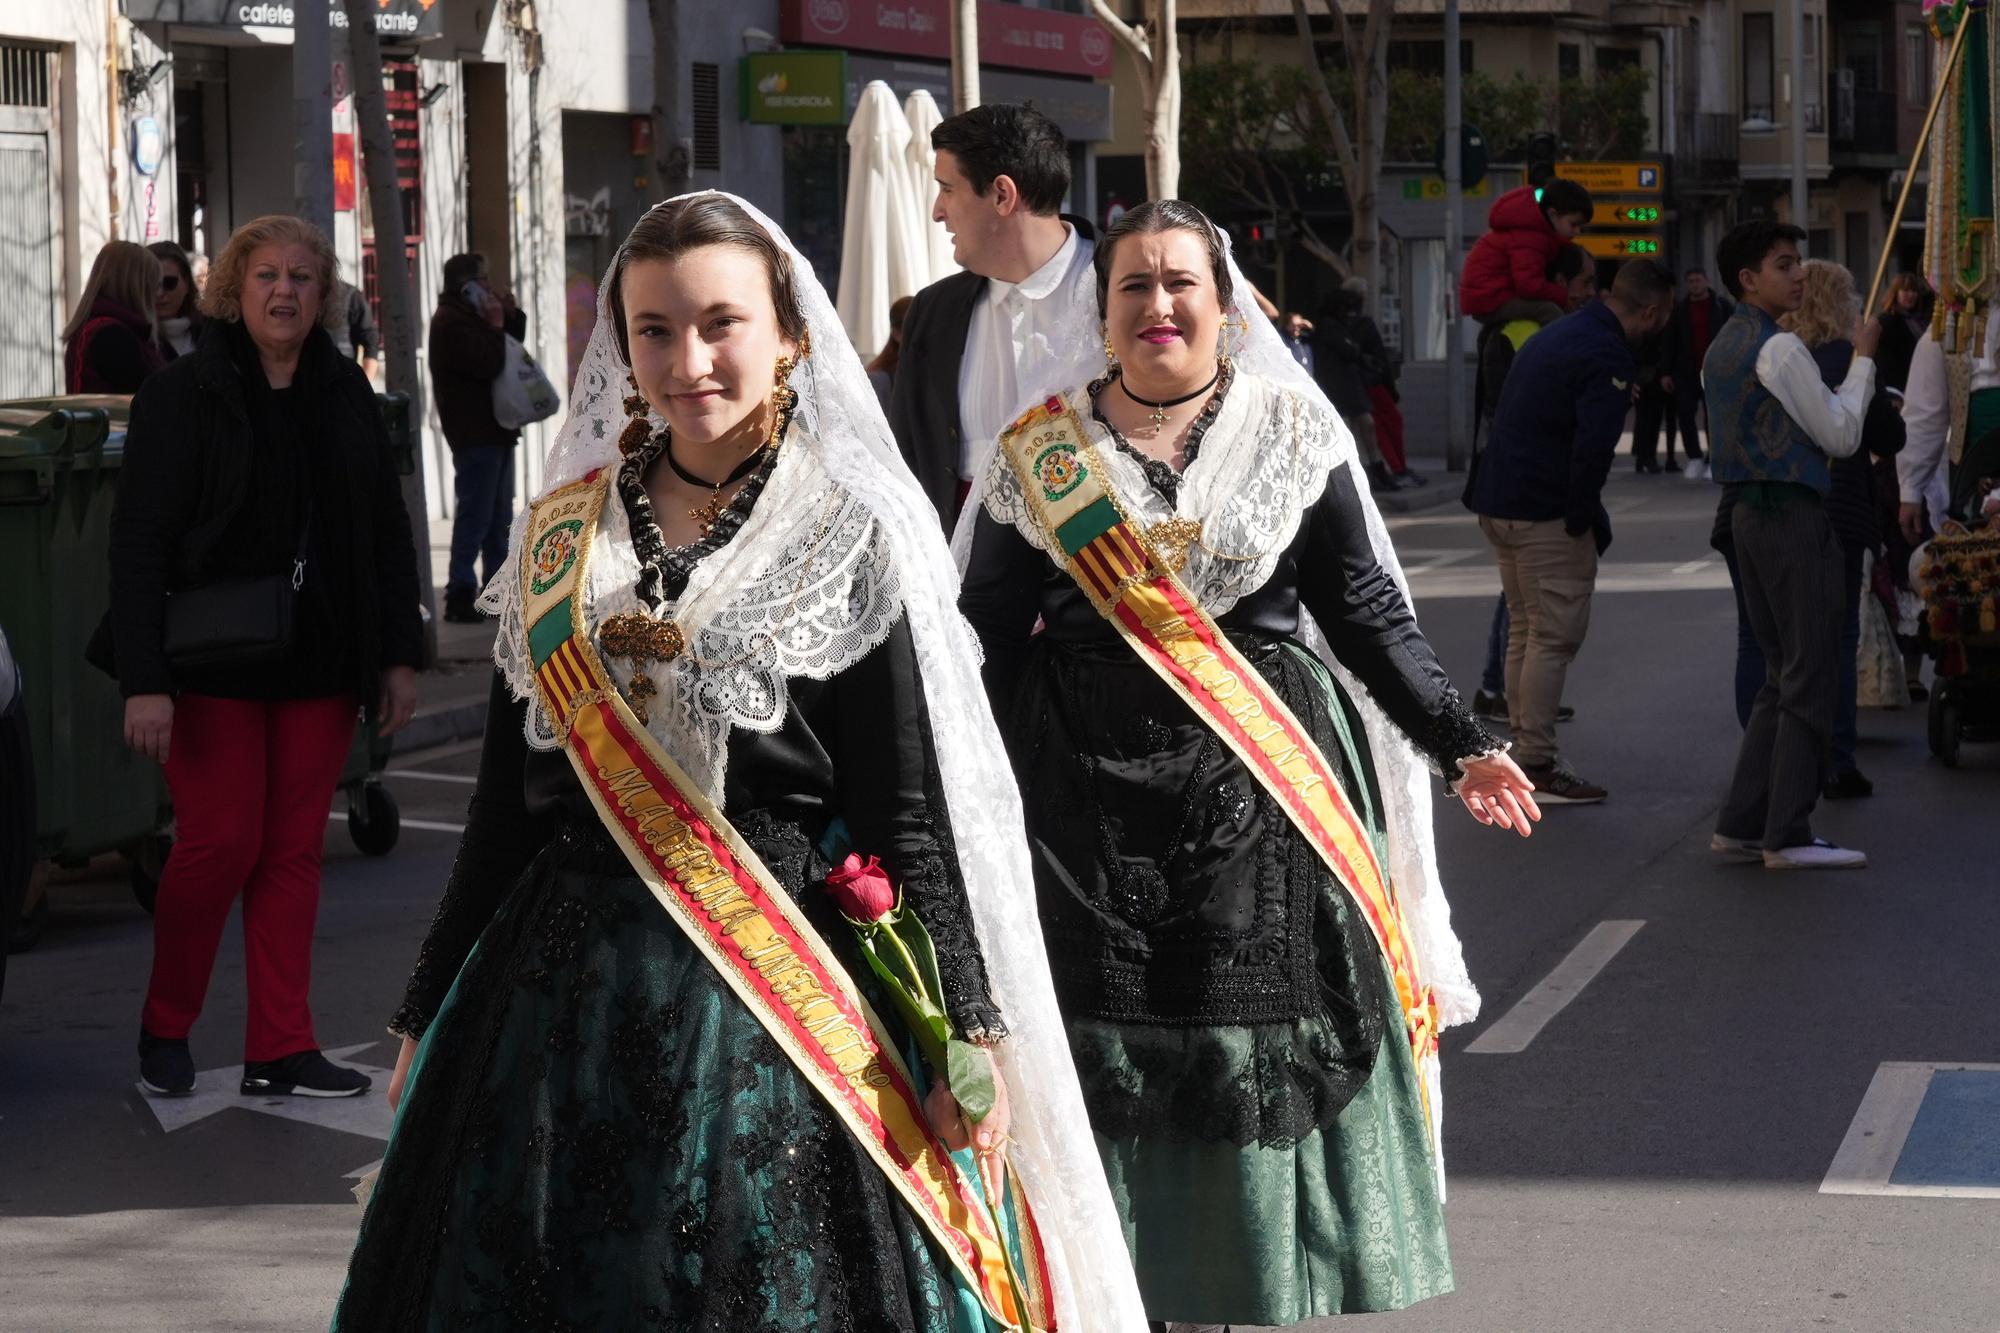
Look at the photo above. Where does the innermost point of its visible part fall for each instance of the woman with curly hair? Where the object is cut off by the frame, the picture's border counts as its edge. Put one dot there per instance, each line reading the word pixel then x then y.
pixel 258 456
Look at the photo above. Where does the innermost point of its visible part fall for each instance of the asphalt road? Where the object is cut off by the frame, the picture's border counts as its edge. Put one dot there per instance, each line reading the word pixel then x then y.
pixel 1652 1158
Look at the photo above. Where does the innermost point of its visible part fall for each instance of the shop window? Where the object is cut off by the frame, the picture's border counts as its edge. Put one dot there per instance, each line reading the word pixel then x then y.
pixel 1425 314
pixel 1759 70
pixel 707 117
pixel 1569 60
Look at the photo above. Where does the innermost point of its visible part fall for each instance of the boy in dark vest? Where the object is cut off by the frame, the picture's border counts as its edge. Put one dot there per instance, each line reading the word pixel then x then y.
pixel 1773 426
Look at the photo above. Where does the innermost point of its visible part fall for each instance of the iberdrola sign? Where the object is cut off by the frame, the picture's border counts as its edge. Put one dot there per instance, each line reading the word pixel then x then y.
pixel 793 87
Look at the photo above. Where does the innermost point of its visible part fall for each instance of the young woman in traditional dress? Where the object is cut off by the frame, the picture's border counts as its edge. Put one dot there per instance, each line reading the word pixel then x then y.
pixel 641 1087
pixel 1232 848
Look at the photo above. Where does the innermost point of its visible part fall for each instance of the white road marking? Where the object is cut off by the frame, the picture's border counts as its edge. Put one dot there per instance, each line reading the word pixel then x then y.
pixel 425 776
pixel 430 825
pixel 1874 1144
pixel 1531 1013
pixel 1697 566
pixel 217 1090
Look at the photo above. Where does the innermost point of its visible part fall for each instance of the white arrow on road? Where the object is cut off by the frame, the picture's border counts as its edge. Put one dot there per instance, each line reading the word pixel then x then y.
pixel 216 1090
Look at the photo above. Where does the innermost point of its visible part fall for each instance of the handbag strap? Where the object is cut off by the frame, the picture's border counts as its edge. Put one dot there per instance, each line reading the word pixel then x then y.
pixel 305 535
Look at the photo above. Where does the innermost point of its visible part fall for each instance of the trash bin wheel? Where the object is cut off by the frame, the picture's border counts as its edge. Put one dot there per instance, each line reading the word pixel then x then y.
pixel 373 820
pixel 145 859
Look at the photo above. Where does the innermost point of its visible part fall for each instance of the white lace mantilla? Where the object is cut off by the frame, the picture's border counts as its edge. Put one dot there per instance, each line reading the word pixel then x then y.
pixel 1263 462
pixel 807 588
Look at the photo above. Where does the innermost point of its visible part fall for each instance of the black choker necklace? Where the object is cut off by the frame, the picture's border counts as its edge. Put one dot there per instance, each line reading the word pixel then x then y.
pixel 706 515
pixel 1159 412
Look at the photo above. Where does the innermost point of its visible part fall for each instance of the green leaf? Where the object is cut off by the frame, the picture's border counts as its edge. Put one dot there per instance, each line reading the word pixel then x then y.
pixel 971 1078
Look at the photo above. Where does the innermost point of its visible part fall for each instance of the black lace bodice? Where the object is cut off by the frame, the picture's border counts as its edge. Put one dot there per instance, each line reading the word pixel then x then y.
pixel 1330 569
pixel 856 747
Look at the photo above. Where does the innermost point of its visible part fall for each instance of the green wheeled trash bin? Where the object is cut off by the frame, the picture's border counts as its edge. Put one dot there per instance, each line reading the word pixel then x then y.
pixel 59 464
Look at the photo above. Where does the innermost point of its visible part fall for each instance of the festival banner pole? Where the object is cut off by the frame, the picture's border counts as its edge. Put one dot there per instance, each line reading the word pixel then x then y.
pixel 1916 160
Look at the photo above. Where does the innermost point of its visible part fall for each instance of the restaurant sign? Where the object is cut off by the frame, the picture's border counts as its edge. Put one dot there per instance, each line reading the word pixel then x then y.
pixel 407 20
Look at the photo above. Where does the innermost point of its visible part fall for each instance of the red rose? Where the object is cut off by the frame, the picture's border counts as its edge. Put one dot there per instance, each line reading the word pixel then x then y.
pixel 863 892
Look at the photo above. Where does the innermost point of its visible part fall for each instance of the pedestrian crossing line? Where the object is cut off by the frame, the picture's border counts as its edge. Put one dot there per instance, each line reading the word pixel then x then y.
pixel 429 825
pixel 1697 566
pixel 1520 1025
pixel 1924 1130
pixel 425 776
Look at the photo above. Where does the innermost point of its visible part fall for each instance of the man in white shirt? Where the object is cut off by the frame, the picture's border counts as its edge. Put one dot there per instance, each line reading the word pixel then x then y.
pixel 1933 483
pixel 1773 426
pixel 975 344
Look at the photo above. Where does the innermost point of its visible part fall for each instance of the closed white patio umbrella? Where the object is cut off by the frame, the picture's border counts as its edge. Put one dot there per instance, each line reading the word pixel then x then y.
pixel 923 114
pixel 882 256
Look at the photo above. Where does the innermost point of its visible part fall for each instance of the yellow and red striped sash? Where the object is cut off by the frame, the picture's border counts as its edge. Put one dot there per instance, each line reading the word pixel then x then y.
pixel 1119 569
pixel 724 899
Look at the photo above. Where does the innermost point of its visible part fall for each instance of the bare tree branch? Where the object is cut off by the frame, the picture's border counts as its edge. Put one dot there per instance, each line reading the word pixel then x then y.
pixel 1329 114
pixel 1132 35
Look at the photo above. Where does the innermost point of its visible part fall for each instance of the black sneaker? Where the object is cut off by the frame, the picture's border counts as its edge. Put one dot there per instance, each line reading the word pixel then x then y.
pixel 459 610
pixel 1556 785
pixel 166 1066
pixel 307 1074
pixel 1847 785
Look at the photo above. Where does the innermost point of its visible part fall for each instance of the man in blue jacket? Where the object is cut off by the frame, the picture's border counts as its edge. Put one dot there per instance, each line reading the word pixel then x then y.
pixel 1537 497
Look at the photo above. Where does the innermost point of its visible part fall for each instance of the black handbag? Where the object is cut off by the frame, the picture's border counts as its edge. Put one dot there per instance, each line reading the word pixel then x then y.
pixel 236 622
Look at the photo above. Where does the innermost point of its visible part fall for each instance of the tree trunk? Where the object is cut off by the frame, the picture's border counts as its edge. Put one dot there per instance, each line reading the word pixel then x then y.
pixel 670 155
pixel 1163 116
pixel 392 266
pixel 1158 54
pixel 1371 95
pixel 964 55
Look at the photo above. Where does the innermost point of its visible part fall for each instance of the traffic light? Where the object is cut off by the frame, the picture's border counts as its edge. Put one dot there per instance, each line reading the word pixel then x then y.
pixel 1542 150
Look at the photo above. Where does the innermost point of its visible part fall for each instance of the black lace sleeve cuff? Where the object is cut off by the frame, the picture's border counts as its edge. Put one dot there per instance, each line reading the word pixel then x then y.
pixel 1454 733
pixel 940 903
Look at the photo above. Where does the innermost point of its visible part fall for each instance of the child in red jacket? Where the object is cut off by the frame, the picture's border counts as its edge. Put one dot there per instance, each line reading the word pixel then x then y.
pixel 1506 271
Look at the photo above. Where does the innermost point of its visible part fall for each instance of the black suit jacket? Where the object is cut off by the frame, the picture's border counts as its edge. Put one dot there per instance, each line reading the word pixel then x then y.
pixel 923 408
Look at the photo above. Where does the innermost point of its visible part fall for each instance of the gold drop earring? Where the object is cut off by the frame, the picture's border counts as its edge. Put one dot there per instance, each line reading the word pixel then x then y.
pixel 638 429
pixel 1110 353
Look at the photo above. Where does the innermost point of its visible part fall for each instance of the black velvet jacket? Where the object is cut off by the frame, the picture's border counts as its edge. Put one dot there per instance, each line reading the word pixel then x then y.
pixel 1172 889
pixel 855 747
pixel 219 474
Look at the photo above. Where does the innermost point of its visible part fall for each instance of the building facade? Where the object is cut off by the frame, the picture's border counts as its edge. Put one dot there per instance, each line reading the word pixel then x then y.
pixel 521 132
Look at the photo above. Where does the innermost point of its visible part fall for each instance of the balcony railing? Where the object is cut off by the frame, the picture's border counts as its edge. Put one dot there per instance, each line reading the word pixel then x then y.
pixel 1708 141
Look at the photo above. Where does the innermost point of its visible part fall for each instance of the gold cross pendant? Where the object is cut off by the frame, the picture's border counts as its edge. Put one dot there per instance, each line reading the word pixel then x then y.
pixel 706 516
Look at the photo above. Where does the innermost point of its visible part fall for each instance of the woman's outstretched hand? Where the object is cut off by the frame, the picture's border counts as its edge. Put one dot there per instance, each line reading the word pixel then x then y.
pixel 1496 791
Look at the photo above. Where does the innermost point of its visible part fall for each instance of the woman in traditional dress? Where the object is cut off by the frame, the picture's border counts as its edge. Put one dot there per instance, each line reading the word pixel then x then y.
pixel 639 1086
pixel 1231 840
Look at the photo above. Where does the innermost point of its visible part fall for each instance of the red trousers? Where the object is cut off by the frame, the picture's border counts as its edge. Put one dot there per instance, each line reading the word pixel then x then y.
pixel 1388 428
pixel 252 781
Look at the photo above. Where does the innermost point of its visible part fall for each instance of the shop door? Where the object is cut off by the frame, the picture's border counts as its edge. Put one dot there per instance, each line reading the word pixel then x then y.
pixel 30 226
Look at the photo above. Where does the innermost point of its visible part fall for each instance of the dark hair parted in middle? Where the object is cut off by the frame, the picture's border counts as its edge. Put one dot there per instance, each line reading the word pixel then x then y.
pixel 675 228
pixel 1011 140
pixel 1153 217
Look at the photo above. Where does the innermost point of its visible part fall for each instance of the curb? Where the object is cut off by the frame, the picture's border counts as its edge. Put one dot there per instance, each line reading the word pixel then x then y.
pixel 427 731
